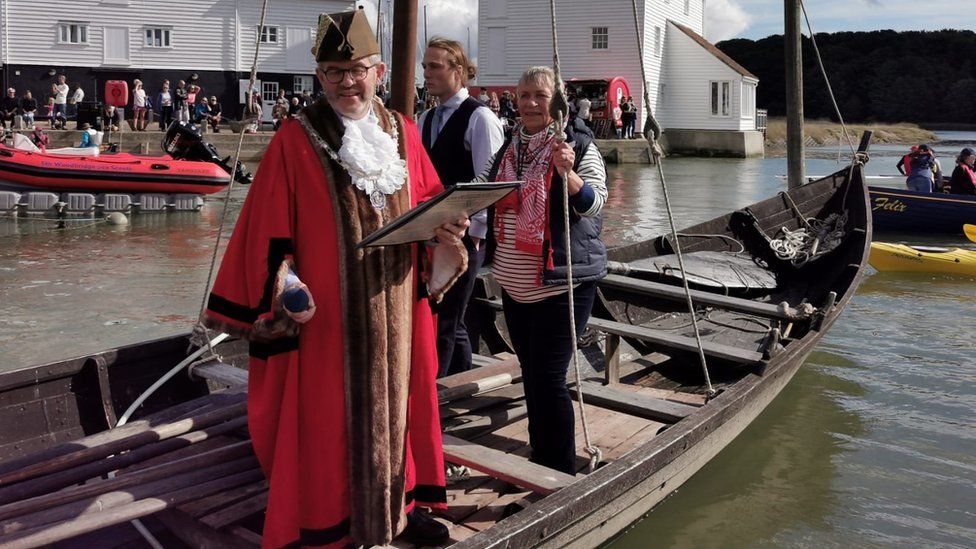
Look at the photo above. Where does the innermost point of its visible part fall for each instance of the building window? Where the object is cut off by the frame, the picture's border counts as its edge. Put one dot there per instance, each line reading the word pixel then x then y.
pixel 157 38
pixel 269 35
pixel 269 92
pixel 687 7
pixel 601 38
pixel 748 100
pixel 302 83
pixel 657 41
pixel 721 98
pixel 73 33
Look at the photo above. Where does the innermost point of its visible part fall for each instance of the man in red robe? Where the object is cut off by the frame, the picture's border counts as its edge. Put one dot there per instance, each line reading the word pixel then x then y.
pixel 342 405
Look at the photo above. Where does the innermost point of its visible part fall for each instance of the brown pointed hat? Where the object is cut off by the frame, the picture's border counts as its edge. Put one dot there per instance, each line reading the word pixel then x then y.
pixel 344 36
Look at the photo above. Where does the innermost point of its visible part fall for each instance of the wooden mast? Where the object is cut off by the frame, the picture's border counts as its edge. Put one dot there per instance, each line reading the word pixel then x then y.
pixel 404 56
pixel 794 94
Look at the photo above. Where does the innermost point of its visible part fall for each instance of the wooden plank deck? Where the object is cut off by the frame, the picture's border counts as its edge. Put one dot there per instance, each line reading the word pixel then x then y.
pixel 503 480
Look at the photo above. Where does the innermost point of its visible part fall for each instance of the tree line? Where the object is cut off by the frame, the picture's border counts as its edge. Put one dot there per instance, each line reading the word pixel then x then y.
pixel 877 76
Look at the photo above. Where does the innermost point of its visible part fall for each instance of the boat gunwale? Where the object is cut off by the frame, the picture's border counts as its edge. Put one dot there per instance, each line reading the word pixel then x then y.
pixel 566 508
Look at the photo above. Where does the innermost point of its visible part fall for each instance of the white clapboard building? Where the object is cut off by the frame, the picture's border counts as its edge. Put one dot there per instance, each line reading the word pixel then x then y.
pixel 704 100
pixel 93 41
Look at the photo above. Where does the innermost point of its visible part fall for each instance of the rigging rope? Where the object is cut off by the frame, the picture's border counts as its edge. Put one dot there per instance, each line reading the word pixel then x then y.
pixel 199 330
pixel 658 158
pixel 201 335
pixel 559 103
pixel 823 71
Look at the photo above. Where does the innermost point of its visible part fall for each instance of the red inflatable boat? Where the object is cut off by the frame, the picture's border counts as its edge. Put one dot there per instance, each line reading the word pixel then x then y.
pixel 192 167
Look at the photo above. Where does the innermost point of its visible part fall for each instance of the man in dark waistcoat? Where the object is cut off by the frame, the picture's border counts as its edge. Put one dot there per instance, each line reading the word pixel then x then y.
pixel 461 136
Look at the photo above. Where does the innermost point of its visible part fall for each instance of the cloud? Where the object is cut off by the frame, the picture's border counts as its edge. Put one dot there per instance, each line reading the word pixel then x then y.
pixel 445 18
pixel 725 19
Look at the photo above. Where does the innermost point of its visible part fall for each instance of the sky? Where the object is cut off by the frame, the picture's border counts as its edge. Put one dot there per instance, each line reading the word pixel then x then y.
pixel 760 18
pixel 726 19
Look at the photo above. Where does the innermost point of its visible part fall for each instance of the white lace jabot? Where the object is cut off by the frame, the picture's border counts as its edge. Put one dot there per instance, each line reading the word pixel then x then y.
pixel 371 157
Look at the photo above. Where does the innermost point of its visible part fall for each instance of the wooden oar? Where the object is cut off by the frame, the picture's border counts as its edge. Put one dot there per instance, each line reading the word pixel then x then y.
pixel 970 231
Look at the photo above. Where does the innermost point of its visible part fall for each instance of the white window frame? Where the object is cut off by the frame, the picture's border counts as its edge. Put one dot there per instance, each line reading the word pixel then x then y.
pixel 265 34
pixel 687 7
pixel 720 98
pixel 600 40
pixel 747 100
pixel 269 92
pixel 64 33
pixel 657 41
pixel 165 37
pixel 299 81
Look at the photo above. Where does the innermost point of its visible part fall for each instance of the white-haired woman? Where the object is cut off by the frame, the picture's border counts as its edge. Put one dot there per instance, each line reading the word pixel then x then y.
pixel 528 255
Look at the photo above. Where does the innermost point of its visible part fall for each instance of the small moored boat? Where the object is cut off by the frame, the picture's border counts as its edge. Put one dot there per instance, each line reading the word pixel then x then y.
pixel 190 166
pixel 887 256
pixel 917 212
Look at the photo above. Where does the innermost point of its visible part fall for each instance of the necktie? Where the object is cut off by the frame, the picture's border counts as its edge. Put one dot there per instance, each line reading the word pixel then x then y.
pixel 436 128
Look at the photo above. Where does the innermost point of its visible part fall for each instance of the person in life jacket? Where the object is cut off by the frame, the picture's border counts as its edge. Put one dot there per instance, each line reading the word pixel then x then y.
pixel 923 169
pixel 904 165
pixel 963 179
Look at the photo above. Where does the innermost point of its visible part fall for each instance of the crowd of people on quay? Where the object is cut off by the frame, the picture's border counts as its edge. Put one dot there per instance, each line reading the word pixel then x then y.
pixel 923 171
pixel 186 102
pixel 505 108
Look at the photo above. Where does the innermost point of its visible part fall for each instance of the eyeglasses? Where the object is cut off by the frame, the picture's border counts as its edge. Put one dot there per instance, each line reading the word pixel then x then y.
pixel 358 73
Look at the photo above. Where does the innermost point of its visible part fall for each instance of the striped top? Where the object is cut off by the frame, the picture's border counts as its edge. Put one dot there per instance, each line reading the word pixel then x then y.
pixel 520 273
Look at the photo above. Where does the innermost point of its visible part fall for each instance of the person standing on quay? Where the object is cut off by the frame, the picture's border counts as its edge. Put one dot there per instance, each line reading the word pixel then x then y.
pixel 60 90
pixel 138 106
pixel 342 400
pixel 165 104
pixel 180 98
pixel 461 136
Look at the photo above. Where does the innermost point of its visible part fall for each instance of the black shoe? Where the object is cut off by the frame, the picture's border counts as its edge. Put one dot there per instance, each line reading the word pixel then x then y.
pixel 422 529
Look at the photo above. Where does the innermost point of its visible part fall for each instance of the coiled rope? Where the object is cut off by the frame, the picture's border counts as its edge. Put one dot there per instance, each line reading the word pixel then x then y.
pixel 658 159
pixel 560 105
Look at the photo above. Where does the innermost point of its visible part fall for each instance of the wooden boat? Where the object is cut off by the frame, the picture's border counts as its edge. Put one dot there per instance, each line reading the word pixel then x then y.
pixel 918 212
pixel 185 465
pixel 922 259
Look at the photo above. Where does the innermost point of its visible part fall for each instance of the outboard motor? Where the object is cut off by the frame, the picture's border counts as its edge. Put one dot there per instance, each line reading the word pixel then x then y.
pixel 183 141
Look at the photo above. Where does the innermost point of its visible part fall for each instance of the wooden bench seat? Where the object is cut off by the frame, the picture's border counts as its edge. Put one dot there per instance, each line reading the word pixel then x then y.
pixel 634 404
pixel 513 469
pixel 677 342
pixel 677 293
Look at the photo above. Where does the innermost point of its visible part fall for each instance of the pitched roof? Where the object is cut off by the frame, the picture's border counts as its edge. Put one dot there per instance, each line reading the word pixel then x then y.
pixel 714 51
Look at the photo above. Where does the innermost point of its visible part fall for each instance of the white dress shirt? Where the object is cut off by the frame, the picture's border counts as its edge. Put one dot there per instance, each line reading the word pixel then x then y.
pixel 482 139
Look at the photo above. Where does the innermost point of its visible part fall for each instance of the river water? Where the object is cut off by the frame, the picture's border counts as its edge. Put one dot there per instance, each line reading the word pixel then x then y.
pixel 872 444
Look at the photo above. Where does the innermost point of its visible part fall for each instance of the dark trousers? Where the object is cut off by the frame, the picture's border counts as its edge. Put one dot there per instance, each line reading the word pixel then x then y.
pixel 541 337
pixel 165 116
pixel 453 344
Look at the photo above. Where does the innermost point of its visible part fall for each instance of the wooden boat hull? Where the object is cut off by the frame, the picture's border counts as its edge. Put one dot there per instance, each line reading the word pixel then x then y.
pixel 917 212
pixel 87 393
pixel 902 258
pixel 601 505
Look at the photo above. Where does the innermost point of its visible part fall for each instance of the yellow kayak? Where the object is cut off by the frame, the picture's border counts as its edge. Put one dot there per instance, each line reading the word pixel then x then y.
pixel 899 257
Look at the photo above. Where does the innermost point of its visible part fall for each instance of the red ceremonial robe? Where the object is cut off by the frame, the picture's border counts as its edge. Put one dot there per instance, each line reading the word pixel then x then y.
pixel 299 401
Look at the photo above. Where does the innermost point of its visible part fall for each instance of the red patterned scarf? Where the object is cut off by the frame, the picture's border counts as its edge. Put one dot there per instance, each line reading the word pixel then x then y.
pixel 528 158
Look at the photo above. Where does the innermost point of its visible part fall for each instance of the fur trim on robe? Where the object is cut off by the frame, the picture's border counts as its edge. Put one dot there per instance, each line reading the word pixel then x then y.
pixel 377 293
